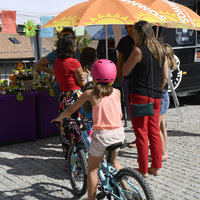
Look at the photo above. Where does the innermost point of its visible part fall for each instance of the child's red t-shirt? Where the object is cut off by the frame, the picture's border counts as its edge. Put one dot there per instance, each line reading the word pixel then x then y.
pixel 64 73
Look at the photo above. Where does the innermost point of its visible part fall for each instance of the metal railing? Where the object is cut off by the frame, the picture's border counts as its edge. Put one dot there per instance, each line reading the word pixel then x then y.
pixel 6 67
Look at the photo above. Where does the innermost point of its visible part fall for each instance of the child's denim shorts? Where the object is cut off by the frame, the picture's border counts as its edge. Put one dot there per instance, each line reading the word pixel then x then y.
pixel 164 103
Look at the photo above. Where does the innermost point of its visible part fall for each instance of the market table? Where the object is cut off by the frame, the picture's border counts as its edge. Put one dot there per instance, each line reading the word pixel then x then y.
pixel 46 110
pixel 17 118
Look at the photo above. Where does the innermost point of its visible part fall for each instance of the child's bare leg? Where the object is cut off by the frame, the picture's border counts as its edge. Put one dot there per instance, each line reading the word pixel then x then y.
pixel 116 164
pixel 92 179
pixel 163 135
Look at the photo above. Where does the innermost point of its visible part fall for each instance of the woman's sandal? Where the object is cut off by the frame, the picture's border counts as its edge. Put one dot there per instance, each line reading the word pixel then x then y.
pixel 131 145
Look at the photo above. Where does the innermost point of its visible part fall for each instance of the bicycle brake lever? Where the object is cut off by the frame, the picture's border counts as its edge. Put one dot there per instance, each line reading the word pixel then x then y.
pixel 56 123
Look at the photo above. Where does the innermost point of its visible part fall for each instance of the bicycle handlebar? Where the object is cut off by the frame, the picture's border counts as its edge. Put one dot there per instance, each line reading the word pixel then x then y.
pixel 79 121
pixel 56 122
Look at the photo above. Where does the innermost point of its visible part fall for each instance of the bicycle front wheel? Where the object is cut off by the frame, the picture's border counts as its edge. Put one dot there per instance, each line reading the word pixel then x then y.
pixel 132 185
pixel 77 170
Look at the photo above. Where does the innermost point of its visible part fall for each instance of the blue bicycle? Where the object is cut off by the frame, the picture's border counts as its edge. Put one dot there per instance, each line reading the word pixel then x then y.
pixel 77 155
pixel 125 184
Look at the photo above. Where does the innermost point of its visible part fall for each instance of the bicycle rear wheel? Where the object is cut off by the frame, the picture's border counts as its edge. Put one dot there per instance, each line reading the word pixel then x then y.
pixel 77 173
pixel 133 185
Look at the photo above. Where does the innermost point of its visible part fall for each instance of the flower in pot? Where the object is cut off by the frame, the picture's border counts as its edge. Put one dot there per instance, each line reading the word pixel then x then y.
pixel 40 87
pixel 16 72
pixel 29 71
pixel 34 87
pixel 33 82
pixel 16 89
pixel 23 72
pixel 8 89
pixel 21 82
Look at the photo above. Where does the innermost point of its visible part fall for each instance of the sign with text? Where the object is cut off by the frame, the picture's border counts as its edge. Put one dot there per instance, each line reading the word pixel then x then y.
pixel 46 32
pixel 8 21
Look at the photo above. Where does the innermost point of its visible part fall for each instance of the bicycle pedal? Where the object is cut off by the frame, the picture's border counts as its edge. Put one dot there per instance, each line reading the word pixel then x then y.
pixel 100 188
pixel 101 195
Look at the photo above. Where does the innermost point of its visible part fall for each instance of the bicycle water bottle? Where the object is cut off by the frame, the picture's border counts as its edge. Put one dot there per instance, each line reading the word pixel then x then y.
pixel 85 139
pixel 101 175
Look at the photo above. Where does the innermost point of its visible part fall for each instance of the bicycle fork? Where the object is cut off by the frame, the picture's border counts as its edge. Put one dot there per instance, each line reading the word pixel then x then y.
pixel 106 187
pixel 74 159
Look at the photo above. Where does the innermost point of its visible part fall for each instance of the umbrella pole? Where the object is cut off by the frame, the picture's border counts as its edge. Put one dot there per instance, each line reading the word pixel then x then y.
pixel 106 42
pixel 157 29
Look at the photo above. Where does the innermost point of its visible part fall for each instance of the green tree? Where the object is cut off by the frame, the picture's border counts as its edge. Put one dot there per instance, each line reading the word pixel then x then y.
pixel 80 40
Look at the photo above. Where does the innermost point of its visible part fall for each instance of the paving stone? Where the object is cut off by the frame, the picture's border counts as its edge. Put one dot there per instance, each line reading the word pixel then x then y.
pixel 35 170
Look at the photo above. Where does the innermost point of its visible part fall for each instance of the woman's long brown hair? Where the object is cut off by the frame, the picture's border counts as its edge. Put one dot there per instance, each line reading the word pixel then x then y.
pixel 148 38
pixel 170 56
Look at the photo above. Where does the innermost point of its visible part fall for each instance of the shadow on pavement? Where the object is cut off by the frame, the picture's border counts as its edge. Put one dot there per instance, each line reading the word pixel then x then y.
pixel 172 133
pixel 43 190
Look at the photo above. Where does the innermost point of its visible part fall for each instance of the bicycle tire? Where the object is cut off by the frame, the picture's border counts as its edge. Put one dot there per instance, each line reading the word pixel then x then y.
pixel 78 177
pixel 135 178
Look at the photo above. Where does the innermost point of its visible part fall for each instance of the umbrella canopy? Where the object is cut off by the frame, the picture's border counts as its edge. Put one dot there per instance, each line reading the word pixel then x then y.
pixel 97 12
pixel 104 12
pixel 179 15
pixel 101 34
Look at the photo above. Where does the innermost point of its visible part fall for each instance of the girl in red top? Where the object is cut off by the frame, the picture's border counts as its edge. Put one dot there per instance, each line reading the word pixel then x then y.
pixel 67 71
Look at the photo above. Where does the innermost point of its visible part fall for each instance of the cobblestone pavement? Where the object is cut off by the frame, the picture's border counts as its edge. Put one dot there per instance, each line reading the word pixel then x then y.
pixel 35 170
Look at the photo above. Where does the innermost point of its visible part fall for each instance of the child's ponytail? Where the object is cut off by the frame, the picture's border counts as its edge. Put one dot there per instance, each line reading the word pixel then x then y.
pixel 103 90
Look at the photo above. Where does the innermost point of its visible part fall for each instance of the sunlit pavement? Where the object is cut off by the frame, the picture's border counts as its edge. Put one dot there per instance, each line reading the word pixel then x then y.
pixel 35 170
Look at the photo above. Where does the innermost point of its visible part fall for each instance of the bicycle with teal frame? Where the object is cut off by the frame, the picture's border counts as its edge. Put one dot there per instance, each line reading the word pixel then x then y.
pixel 125 184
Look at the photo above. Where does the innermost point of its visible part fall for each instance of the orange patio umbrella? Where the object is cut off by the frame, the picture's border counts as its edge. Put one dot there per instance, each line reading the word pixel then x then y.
pixel 103 12
pixel 179 15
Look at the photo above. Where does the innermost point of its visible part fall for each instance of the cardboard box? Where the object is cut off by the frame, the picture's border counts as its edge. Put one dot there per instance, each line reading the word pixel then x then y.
pixel 28 85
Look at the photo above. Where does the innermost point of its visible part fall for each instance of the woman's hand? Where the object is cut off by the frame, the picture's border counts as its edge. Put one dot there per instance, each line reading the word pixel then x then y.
pixel 82 76
pixel 77 73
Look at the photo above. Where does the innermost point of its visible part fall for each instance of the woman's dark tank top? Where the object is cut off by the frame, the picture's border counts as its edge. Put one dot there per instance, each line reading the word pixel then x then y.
pixel 141 79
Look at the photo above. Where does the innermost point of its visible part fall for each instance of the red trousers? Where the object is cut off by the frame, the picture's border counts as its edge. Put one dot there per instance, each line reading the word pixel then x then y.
pixel 147 128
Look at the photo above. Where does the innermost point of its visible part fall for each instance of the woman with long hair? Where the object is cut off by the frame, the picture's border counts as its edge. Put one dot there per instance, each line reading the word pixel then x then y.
pixel 146 128
pixel 87 58
pixel 165 99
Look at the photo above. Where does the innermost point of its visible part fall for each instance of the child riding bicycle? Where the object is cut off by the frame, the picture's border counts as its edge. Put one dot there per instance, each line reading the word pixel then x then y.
pixel 107 114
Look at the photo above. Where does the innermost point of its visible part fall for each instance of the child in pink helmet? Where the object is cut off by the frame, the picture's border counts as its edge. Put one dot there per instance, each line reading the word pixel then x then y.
pixel 106 113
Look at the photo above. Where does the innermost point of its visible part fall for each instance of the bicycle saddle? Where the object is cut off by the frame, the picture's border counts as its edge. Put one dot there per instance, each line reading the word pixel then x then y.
pixel 114 146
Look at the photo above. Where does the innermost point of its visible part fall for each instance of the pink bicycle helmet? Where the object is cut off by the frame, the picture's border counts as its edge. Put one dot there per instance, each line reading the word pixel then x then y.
pixel 104 71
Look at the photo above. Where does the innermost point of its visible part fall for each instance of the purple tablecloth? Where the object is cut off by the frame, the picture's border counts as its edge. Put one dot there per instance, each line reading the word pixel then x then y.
pixel 17 118
pixel 46 110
